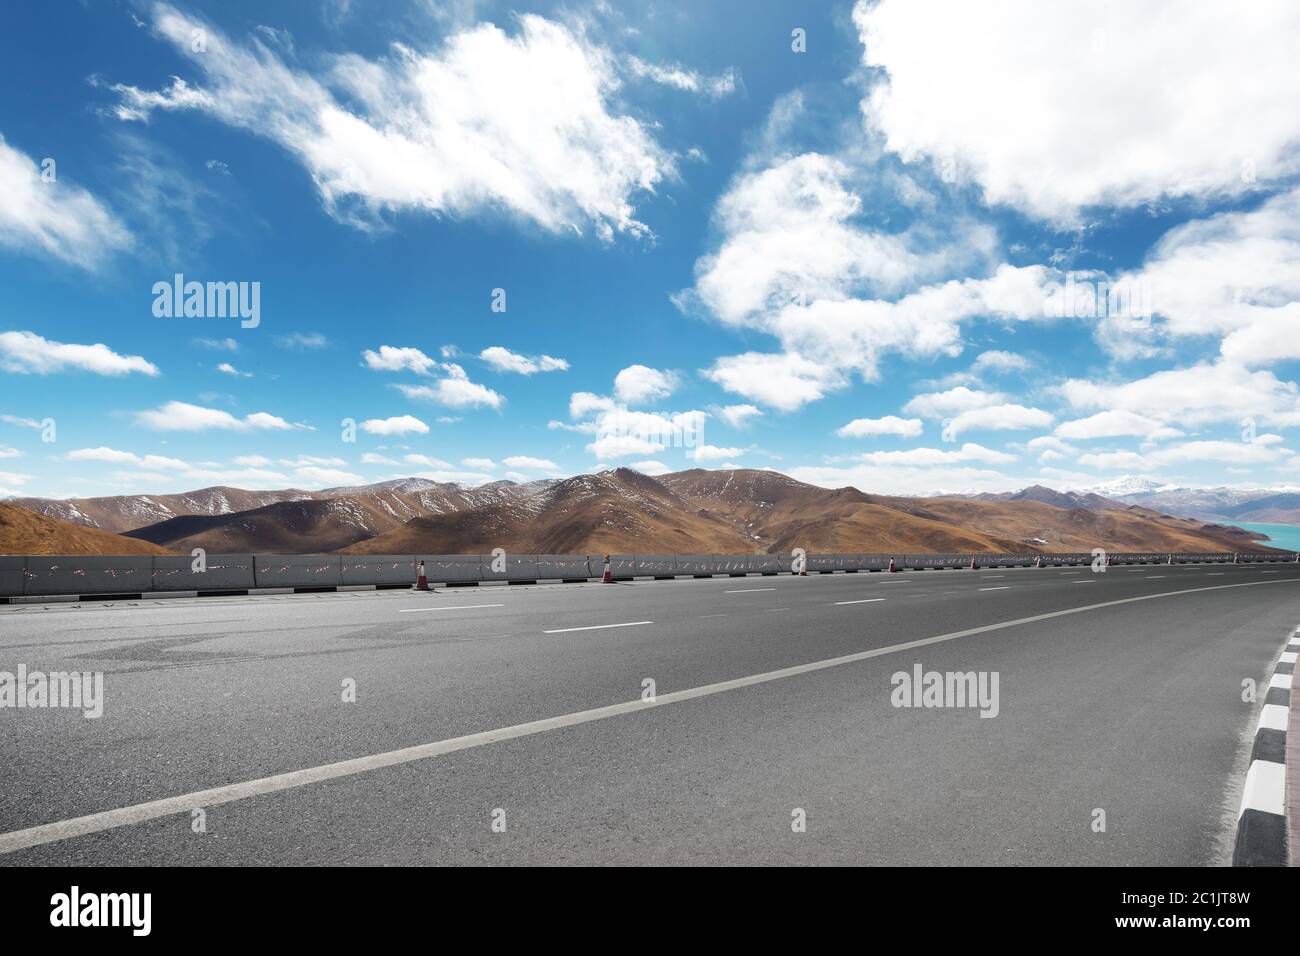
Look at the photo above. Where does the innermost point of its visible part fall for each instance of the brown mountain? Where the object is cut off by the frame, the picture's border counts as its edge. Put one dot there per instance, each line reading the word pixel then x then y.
pixel 734 511
pixel 25 532
pixel 755 511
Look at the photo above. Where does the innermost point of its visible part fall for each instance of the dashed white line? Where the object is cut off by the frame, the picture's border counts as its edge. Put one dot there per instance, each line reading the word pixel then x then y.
pixel 863 601
pixel 599 627
pixel 1002 587
pixel 454 607
pixel 749 590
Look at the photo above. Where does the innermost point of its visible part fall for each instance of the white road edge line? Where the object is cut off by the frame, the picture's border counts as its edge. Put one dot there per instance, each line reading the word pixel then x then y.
pixel 455 607
pixel 596 627
pixel 184 803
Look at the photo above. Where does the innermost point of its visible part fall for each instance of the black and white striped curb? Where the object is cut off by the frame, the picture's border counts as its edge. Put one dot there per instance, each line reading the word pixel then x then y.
pixel 1262 824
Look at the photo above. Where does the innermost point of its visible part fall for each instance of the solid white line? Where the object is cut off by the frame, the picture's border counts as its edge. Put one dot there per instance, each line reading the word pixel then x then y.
pixel 1265 788
pixel 1003 587
pixel 184 803
pixel 749 591
pixel 456 607
pixel 863 601
pixel 598 627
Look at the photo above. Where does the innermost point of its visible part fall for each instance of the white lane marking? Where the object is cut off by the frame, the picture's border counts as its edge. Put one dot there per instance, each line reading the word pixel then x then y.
pixel 1001 587
pixel 1083 582
pixel 601 627
pixel 863 601
pixel 1265 788
pixel 749 591
pixel 153 809
pixel 1155 577
pixel 1215 574
pixel 455 607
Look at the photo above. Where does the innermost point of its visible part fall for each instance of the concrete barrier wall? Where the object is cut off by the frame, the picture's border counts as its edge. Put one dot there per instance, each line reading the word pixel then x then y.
pixel 63 575
pixel 12 574
pixel 377 569
pixel 298 570
pixel 225 572
pixel 564 566
pixel 87 575
pixel 451 568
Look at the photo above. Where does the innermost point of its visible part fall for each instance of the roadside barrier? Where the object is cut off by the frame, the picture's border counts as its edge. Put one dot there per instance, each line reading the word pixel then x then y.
pixel 133 575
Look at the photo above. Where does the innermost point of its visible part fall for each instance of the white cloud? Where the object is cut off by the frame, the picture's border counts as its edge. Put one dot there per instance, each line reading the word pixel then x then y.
pixel 1150 106
pixel 582 404
pixel 703 453
pixel 1005 417
pixel 889 425
pixel 521 123
pixel 397 425
pixel 1198 395
pixel 937 456
pixel 218 345
pixel 229 369
pixel 27 352
pixel 456 391
pixel 954 401
pixel 253 461
pixel 651 468
pixel 738 416
pixel 391 359
pixel 639 384
pixel 54 218
pixel 183 417
pixel 525 463
pixel 425 461
pixel 783 381
pixel 683 78
pixel 1116 424
pixel 480 464
pixel 503 360
pixel 7 452
pixel 999 362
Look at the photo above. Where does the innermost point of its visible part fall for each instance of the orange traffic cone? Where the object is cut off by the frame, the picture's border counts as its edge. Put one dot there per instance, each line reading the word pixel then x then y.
pixel 892 569
pixel 608 576
pixel 973 565
pixel 421 582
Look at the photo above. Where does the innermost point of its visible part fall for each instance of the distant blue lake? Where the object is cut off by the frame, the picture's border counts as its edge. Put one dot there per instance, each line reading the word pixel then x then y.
pixel 1280 535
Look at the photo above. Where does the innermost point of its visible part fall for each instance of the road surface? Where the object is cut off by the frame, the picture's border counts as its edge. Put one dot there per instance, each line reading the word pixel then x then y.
pixel 520 709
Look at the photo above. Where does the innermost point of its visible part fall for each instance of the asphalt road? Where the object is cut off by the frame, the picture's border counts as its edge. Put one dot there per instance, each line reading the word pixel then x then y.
pixel 1133 708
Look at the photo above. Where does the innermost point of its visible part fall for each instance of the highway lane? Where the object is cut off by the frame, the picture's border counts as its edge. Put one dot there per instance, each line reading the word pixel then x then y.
pixel 217 691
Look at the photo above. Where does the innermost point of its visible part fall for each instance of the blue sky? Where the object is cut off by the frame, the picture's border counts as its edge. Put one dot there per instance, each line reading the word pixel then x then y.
pixel 874 260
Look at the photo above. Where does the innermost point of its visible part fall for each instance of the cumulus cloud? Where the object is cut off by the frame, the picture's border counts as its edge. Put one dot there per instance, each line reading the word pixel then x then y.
pixel 525 463
pixel 503 360
pixel 54 218
pixel 391 359
pixel 785 381
pixel 524 123
pixel 397 425
pixel 988 93
pixel 739 416
pixel 889 425
pixel 29 353
pixel 639 384
pixel 184 417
